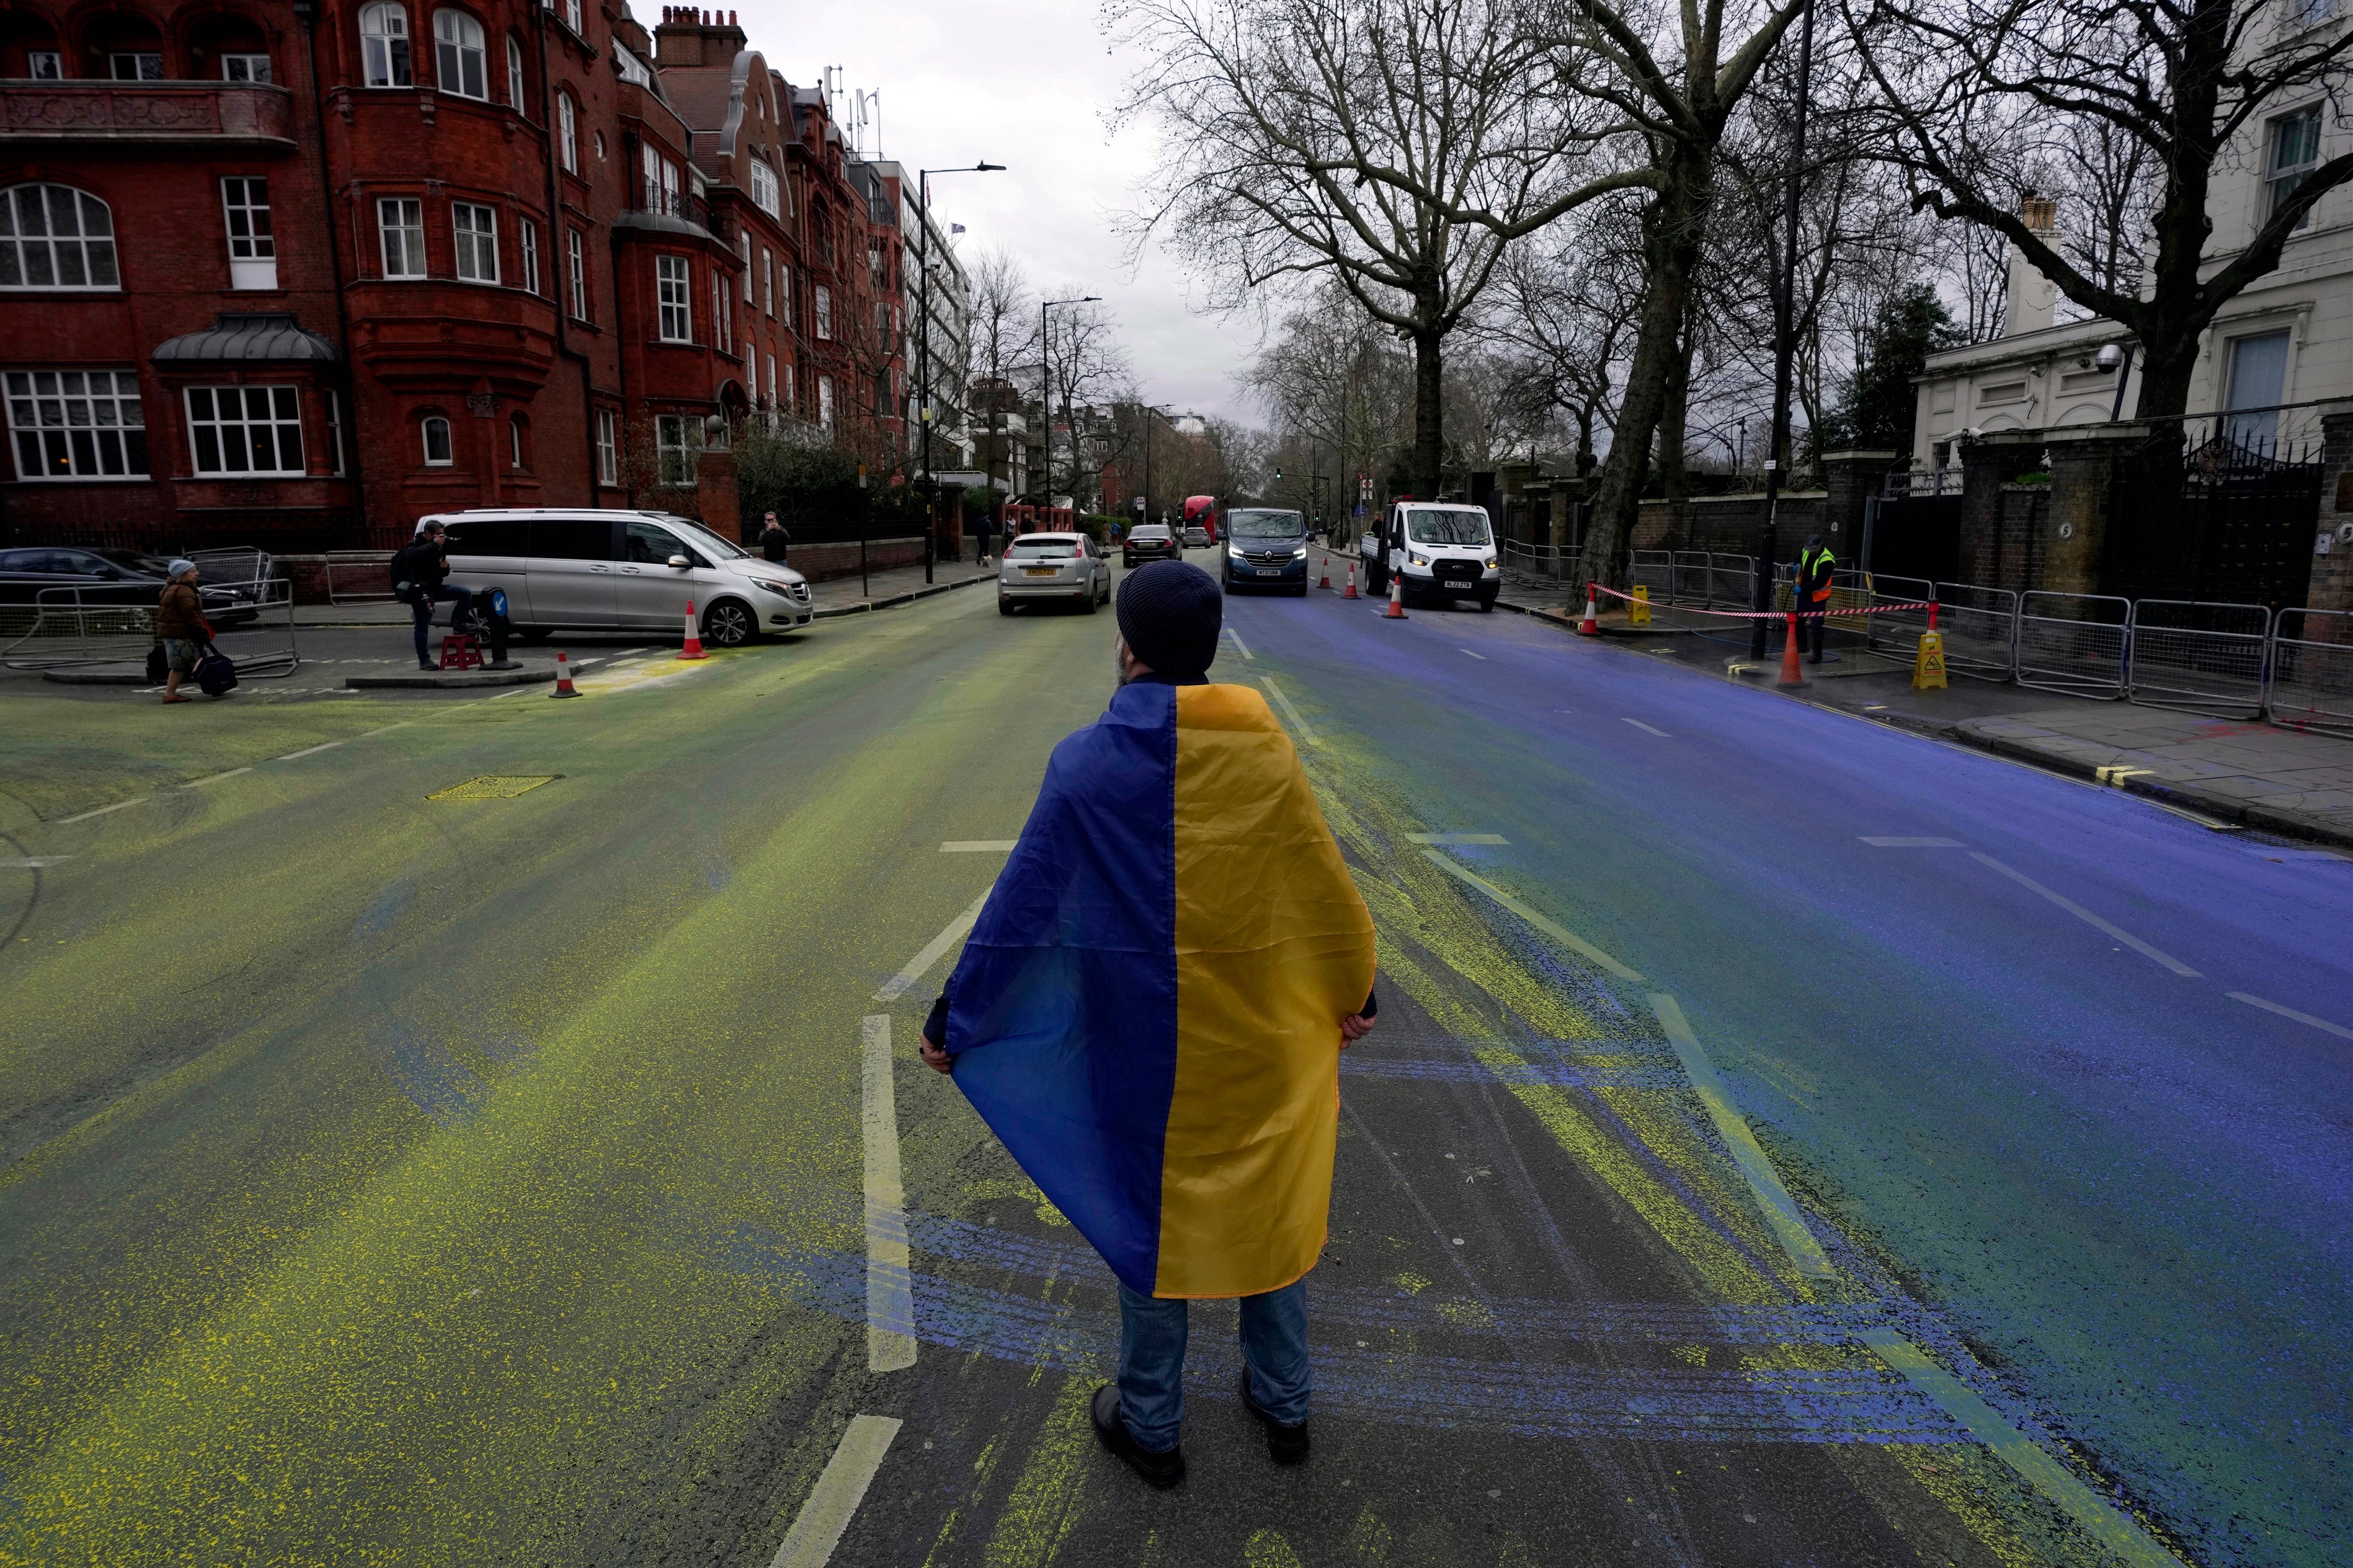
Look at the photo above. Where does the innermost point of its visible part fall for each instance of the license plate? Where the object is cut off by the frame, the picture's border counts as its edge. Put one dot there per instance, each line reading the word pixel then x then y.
pixel 1037 570
pixel 1270 570
pixel 1462 583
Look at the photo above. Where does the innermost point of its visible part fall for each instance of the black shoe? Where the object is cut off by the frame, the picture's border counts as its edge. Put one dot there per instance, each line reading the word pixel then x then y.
pixel 427 664
pixel 1162 1470
pixel 1285 1444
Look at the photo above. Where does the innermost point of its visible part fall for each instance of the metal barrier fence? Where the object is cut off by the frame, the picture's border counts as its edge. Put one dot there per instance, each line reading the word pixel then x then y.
pixel 242 567
pixel 1894 635
pixel 1980 628
pixel 66 627
pixel 2312 670
pixel 1557 561
pixel 366 577
pixel 2074 644
pixel 2204 658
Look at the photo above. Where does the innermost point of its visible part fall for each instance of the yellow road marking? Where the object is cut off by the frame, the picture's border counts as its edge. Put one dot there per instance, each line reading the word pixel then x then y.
pixel 1559 933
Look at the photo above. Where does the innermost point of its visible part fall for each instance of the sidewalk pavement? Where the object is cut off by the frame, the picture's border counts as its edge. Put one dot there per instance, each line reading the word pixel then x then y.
pixel 899 585
pixel 2296 783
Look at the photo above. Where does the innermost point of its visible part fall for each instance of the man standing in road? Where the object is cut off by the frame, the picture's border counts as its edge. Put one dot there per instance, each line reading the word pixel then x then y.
pixel 774 541
pixel 1816 568
pixel 419 568
pixel 1151 1009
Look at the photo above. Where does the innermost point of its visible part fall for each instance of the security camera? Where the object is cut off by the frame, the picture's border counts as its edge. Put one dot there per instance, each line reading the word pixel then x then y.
pixel 2109 357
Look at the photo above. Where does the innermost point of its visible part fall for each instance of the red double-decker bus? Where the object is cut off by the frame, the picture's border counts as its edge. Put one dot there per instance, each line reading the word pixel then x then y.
pixel 1201 512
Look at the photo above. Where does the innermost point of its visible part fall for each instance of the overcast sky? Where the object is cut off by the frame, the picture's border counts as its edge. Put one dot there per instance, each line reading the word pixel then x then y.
pixel 1025 83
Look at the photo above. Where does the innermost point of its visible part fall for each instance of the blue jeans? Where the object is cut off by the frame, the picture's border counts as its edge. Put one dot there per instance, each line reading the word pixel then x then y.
pixel 420 611
pixel 1152 1361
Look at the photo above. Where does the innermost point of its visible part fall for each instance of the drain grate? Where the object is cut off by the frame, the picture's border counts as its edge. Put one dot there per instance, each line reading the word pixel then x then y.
pixel 494 787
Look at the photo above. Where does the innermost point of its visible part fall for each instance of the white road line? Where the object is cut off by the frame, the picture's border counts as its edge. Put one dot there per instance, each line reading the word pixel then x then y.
pixel 890 1293
pixel 2086 915
pixel 1456 838
pixel 386 730
pixel 919 965
pixel 34 862
pixel 1289 713
pixel 311 752
pixel 1764 1182
pixel 1241 645
pixel 199 783
pixel 1661 734
pixel 1913 843
pixel 833 1502
pixel 102 810
pixel 1561 934
pixel 1480 657
pixel 2321 1024
pixel 977 845
pixel 2100 1519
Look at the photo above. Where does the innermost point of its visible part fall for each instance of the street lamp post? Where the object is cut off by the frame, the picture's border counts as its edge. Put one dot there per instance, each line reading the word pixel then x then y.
pixel 1046 390
pixel 1785 346
pixel 1149 410
pixel 923 349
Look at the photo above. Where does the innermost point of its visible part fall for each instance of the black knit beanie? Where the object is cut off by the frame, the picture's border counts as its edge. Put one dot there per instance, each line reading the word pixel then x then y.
pixel 1170 613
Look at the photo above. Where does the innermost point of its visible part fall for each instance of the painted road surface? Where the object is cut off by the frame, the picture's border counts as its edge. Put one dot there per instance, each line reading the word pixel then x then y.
pixel 496 1137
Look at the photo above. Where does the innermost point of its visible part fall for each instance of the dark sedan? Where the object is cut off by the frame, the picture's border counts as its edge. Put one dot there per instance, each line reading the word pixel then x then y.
pixel 114 577
pixel 1149 542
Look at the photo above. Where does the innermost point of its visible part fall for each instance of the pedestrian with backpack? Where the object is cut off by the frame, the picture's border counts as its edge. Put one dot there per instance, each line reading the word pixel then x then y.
pixel 420 571
pixel 181 630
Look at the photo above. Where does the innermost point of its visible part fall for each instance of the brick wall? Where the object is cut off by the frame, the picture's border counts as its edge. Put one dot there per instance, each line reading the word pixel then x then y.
pixel 1728 524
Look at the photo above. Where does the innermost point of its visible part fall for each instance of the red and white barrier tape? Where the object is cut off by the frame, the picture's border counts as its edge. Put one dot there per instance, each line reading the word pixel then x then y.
pixel 1928 605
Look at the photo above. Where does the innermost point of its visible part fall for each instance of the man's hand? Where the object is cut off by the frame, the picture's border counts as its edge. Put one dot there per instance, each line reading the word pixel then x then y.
pixel 935 1058
pixel 1353 1027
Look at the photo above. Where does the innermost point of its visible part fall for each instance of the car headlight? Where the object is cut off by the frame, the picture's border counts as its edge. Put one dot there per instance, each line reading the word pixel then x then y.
pixel 782 590
pixel 1299 552
pixel 1234 551
pixel 1413 558
pixel 1491 563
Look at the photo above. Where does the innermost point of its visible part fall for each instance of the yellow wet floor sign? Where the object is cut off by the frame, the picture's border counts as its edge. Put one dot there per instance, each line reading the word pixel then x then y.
pixel 1928 669
pixel 1638 608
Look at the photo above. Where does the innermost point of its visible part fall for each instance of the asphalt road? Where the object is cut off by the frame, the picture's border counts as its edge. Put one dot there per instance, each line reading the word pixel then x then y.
pixel 391 1179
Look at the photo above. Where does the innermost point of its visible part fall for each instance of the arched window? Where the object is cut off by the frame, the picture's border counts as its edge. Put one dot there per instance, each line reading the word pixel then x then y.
pixel 384 44
pixel 567 132
pixel 459 61
pixel 518 445
pixel 54 236
pixel 514 73
pixel 436 442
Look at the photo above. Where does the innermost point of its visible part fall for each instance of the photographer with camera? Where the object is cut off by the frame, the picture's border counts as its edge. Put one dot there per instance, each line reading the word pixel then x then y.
pixel 420 569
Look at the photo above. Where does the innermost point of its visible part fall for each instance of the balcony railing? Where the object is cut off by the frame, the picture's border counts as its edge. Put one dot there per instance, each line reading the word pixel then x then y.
pixel 214 113
pixel 651 198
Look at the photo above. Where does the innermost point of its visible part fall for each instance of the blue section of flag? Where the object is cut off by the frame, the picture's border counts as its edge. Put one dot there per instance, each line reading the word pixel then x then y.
pixel 1069 981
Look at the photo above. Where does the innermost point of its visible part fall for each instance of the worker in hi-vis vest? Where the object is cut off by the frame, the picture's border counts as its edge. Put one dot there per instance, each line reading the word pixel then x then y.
pixel 1815 567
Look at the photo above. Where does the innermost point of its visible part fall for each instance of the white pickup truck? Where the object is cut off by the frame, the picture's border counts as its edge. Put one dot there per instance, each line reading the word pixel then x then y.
pixel 1440 550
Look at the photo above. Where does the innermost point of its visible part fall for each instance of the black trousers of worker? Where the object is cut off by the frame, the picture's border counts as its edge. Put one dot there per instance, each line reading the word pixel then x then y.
pixel 1809 636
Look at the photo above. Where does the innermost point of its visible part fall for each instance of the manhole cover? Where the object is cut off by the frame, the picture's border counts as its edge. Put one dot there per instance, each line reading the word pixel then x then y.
pixel 493 786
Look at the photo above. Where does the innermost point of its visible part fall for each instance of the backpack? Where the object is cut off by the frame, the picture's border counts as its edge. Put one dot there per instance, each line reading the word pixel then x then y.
pixel 214 672
pixel 404 588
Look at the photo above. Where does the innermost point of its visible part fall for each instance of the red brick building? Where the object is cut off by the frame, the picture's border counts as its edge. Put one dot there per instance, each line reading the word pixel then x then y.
pixel 296 275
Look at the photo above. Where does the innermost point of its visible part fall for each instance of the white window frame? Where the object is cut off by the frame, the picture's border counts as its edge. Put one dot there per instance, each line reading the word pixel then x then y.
pixel 785 287
pixel 400 228
pixel 228 419
pixel 673 299
pixel 568 131
pixel 2281 181
pixel 764 187
pixel 252 242
pixel 386 57
pixel 678 447
pixel 768 279
pixel 474 235
pixel 246 67
pixel 514 73
pixel 514 441
pixel 89 251
pixel 608 448
pixel 67 426
pixel 824 313
pixel 527 238
pixel 575 249
pixel 719 322
pixel 824 402
pixel 335 431
pixel 572 15
pixel 772 401
pixel 46 65
pixel 461 55
pixel 425 429
pixel 139 61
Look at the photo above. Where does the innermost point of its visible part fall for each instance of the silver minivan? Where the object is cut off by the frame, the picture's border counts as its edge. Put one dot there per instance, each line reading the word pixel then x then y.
pixel 620 571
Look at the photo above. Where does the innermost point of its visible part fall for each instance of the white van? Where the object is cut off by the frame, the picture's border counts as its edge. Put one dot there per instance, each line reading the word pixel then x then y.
pixel 1440 550
pixel 590 570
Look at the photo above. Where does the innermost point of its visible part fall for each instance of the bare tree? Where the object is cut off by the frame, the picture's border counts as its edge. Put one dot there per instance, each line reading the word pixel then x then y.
pixel 1001 332
pixel 1986 98
pixel 1084 362
pixel 1357 139
pixel 1337 390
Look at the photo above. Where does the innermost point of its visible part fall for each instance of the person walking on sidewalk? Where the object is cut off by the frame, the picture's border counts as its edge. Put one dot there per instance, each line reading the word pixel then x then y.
pixel 419 570
pixel 1816 568
pixel 1150 1011
pixel 984 530
pixel 180 625
pixel 775 543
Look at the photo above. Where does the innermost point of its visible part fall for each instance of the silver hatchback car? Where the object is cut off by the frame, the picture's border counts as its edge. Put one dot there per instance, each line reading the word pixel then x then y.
pixel 1052 569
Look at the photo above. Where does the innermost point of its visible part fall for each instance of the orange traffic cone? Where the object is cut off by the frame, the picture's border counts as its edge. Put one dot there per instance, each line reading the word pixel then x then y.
pixel 1326 581
pixel 1591 626
pixel 1789 672
pixel 1396 612
pixel 693 636
pixel 1350 591
pixel 562 676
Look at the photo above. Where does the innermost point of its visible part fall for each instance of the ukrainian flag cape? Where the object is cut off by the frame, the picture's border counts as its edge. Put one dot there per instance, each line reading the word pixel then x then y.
pixel 1148 1012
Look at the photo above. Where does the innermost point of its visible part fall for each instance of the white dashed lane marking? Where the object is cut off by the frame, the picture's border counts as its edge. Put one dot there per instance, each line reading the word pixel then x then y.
pixel 1661 734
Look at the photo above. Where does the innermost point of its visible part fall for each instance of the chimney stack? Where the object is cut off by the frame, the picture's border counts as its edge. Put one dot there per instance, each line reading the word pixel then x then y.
pixel 2033 299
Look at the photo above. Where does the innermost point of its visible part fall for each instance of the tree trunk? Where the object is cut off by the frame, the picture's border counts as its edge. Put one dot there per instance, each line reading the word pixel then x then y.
pixel 2167 360
pixel 1671 232
pixel 1429 411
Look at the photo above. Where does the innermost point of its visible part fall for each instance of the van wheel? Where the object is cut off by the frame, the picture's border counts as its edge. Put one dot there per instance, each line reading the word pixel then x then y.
pixel 727 623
